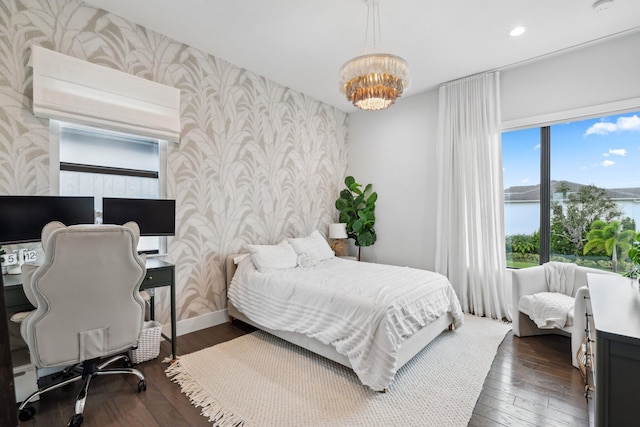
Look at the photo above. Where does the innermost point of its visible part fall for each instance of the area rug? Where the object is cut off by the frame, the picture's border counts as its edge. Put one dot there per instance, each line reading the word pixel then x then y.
pixel 261 380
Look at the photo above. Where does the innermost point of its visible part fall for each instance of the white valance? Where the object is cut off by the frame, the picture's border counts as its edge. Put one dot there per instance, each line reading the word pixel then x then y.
pixel 73 90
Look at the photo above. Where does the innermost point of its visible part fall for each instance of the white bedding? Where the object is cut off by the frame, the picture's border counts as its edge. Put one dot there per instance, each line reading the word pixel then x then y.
pixel 364 310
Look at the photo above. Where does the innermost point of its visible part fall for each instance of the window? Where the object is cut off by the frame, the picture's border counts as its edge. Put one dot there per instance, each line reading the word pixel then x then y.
pixel 521 170
pixel 99 163
pixel 572 193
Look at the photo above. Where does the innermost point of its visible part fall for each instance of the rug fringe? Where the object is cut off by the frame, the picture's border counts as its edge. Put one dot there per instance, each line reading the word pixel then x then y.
pixel 211 408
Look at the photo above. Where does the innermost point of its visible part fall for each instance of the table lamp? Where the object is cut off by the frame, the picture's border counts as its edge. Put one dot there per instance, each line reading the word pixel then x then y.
pixel 338 234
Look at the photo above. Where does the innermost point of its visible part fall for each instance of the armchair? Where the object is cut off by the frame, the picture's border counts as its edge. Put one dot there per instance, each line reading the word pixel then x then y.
pixel 533 280
pixel 88 306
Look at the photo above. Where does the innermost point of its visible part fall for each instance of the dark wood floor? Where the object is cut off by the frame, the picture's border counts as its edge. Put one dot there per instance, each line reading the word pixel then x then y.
pixel 531 383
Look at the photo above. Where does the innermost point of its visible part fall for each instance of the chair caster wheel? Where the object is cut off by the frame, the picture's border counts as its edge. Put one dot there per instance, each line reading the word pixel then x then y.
pixel 142 386
pixel 76 420
pixel 27 413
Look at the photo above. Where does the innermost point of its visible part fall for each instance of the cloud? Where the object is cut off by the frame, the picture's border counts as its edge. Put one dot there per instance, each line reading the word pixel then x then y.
pixel 607 163
pixel 525 181
pixel 536 147
pixel 601 128
pixel 623 124
pixel 606 154
pixel 618 151
pixel 631 124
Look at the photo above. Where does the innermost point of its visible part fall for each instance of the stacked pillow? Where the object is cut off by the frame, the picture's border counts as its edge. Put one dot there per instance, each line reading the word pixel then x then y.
pixel 303 251
pixel 273 257
pixel 311 250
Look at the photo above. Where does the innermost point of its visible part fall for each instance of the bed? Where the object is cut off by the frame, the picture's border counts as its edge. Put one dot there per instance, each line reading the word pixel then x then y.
pixel 375 342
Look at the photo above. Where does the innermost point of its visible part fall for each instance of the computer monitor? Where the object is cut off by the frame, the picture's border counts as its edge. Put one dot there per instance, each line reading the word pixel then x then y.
pixel 155 217
pixel 23 217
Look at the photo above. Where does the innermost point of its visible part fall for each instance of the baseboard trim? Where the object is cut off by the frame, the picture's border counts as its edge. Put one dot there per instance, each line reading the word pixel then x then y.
pixel 196 323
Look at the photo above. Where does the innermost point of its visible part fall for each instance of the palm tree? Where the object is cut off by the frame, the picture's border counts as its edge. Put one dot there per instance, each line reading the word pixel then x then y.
pixel 608 238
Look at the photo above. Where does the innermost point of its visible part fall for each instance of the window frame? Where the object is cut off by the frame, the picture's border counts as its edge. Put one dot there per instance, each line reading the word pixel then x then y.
pixel 55 166
pixel 544 123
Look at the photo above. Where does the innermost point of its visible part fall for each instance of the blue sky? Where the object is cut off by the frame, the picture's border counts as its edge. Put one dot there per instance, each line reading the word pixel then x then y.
pixel 601 151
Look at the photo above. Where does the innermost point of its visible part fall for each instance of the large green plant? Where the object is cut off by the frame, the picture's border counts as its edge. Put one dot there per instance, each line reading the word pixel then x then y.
pixel 634 257
pixel 357 210
pixel 610 239
pixel 581 207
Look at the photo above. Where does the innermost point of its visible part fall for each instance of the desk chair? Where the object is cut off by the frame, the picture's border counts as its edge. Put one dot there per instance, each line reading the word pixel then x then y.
pixel 87 305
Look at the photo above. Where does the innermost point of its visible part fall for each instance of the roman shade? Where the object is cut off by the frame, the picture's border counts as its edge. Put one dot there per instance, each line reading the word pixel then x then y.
pixel 73 90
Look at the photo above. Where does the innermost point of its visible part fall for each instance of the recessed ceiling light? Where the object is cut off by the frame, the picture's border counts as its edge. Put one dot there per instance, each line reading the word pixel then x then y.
pixel 517 31
pixel 602 5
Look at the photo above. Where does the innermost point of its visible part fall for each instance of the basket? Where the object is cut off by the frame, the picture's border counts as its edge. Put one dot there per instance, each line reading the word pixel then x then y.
pixel 584 360
pixel 149 343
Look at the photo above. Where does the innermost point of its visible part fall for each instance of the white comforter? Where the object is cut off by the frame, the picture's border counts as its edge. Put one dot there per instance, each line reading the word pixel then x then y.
pixel 364 310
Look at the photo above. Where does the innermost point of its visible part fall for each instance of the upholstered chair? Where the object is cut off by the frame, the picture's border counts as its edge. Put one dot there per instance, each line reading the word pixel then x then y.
pixel 87 305
pixel 566 282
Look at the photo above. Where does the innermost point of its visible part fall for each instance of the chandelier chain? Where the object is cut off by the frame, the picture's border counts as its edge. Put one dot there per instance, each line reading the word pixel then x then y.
pixel 373 19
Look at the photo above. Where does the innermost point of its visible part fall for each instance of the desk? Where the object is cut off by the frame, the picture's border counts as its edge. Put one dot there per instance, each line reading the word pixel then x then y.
pixel 159 273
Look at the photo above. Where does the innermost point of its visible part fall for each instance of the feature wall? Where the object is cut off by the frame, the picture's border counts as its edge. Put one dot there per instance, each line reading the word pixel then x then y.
pixel 257 162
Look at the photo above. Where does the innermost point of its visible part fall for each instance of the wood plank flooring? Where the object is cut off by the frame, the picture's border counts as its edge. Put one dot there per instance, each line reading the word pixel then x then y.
pixel 531 383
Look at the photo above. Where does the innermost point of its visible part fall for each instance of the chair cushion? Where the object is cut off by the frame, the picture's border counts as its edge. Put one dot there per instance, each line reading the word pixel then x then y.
pixel 524 305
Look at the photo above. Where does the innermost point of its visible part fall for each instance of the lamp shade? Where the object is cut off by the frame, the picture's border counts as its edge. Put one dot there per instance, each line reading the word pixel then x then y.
pixel 338 231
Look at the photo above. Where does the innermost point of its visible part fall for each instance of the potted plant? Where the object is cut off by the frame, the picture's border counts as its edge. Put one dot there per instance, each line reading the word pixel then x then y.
pixel 634 257
pixel 357 210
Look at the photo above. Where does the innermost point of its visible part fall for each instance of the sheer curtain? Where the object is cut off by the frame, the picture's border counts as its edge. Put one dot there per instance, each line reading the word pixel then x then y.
pixel 470 241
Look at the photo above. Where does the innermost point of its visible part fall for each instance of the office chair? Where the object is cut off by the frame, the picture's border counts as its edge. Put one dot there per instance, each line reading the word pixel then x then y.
pixel 88 306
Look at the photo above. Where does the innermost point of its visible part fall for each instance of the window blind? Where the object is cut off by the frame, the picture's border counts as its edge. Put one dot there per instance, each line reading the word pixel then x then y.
pixel 70 89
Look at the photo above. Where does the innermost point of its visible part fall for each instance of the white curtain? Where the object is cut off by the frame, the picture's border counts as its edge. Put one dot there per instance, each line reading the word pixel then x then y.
pixel 470 242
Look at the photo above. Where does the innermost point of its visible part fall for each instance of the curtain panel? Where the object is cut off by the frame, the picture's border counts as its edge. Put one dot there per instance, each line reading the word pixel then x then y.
pixel 72 90
pixel 470 241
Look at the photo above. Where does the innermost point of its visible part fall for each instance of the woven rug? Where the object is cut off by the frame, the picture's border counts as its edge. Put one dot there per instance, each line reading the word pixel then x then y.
pixel 261 380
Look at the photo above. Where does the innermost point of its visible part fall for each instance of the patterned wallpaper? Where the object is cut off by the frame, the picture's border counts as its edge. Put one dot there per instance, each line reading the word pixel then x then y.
pixel 257 162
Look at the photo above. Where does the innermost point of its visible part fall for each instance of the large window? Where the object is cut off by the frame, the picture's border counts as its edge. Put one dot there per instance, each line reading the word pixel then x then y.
pixel 99 163
pixel 572 192
pixel 521 159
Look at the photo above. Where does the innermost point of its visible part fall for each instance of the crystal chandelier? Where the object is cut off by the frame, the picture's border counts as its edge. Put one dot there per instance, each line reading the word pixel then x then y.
pixel 375 80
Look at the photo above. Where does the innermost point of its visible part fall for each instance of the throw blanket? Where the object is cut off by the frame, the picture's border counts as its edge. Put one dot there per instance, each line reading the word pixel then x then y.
pixel 364 310
pixel 560 277
pixel 550 309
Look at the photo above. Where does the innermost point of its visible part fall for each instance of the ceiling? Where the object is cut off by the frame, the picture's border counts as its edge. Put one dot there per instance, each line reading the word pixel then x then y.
pixel 302 44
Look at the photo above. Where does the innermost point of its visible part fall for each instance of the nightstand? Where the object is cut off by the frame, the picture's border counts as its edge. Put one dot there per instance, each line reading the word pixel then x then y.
pixel 350 258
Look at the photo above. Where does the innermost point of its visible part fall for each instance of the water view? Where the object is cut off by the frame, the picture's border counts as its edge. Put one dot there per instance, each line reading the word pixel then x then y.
pixel 595 192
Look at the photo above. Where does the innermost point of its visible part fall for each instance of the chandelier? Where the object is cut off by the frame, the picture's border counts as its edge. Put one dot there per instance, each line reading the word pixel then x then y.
pixel 375 80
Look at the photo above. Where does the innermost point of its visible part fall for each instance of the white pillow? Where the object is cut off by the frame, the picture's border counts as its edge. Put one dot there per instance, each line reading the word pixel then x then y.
pixel 273 257
pixel 311 249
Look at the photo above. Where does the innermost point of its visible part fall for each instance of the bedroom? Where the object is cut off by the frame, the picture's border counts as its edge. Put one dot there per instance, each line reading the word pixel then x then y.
pixel 331 143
